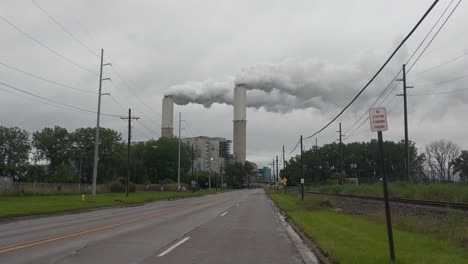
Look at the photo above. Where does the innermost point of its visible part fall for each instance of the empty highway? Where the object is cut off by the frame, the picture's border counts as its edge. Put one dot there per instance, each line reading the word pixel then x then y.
pixel 234 227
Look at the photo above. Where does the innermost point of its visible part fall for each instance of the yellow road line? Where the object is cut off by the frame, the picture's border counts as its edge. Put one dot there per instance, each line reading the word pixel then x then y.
pixel 88 230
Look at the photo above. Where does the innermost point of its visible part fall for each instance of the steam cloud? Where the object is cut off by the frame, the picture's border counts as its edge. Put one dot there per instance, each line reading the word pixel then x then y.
pixel 283 87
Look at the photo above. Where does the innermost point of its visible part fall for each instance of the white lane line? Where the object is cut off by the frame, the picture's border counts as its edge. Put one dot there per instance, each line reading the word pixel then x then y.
pixel 237 205
pixel 223 214
pixel 173 247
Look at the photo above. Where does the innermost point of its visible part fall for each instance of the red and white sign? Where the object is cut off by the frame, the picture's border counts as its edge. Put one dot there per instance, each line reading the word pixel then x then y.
pixel 378 119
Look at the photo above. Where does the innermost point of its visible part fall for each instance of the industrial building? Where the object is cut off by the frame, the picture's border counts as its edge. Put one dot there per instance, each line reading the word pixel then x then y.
pixel 210 153
pixel 208 146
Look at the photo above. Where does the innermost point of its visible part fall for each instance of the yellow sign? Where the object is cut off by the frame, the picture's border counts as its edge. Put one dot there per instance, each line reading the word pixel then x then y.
pixel 285 180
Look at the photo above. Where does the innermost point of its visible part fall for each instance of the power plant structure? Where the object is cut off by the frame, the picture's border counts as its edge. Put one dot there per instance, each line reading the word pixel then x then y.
pixel 167 122
pixel 239 121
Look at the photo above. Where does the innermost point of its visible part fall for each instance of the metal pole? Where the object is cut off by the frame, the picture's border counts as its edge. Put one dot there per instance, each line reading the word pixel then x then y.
pixel 302 174
pixel 341 157
pixel 128 150
pixel 387 204
pixel 96 141
pixel 178 160
pixel 407 158
pixel 284 162
pixel 209 179
pixel 192 165
pixel 277 170
pixel 273 172
pixel 222 175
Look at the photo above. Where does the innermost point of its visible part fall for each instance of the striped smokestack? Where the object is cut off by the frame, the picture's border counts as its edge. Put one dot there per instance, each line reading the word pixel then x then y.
pixel 240 122
pixel 167 122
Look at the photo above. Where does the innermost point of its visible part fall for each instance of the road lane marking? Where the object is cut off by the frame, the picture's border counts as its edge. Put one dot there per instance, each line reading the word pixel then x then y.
pixel 173 247
pixel 223 214
pixel 237 205
pixel 39 241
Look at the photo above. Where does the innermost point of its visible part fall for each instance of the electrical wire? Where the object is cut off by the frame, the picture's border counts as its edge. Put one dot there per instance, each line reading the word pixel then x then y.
pixel 295 147
pixel 412 55
pixel 379 70
pixel 65 30
pixel 442 64
pixel 47 47
pixel 46 80
pixel 437 93
pixel 56 103
pixel 435 35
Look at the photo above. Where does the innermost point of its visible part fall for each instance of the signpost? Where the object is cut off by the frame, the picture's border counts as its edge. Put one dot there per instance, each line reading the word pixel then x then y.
pixel 378 123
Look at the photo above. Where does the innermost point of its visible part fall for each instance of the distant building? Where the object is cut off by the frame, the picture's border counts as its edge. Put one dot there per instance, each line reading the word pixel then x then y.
pixel 266 173
pixel 210 152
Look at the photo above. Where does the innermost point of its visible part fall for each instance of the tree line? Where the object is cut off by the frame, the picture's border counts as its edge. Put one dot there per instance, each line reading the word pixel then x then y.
pixel 439 161
pixel 55 154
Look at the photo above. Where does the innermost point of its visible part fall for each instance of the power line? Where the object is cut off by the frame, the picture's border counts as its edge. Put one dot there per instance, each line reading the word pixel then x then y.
pixel 436 93
pixel 442 64
pixel 47 47
pixel 435 35
pixel 56 103
pixel 65 30
pixel 446 81
pixel 46 80
pixel 380 69
pixel 412 55
pixel 299 141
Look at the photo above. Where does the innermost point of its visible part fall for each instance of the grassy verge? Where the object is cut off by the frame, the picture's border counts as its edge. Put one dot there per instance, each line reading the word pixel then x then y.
pixel 450 192
pixel 11 206
pixel 354 239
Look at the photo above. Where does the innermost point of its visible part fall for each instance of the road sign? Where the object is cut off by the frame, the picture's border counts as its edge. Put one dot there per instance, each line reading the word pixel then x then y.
pixel 284 180
pixel 302 181
pixel 378 119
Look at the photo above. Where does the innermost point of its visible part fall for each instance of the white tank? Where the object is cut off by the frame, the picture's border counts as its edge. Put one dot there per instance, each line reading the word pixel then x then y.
pixel 167 122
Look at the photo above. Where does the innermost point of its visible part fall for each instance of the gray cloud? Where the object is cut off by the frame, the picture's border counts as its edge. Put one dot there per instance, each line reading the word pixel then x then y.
pixel 283 87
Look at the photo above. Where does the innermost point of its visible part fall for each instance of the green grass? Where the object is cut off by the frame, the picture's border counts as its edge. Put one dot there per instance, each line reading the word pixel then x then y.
pixel 354 239
pixel 11 206
pixel 451 192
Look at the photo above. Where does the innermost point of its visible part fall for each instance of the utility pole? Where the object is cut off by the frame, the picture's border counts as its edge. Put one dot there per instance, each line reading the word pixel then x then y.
pixel 129 144
pixel 407 154
pixel 96 140
pixel 178 158
pixel 341 155
pixel 277 170
pixel 284 161
pixel 192 165
pixel 273 171
pixel 302 174
pixel 222 175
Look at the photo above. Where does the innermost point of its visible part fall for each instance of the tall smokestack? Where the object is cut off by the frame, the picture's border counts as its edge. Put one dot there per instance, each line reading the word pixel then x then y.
pixel 240 121
pixel 167 122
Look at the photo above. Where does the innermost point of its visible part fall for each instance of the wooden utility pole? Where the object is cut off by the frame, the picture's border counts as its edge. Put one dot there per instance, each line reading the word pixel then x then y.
pixel 405 107
pixel 129 144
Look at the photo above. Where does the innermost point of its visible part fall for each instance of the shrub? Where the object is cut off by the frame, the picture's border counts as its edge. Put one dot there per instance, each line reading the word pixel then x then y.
pixel 116 186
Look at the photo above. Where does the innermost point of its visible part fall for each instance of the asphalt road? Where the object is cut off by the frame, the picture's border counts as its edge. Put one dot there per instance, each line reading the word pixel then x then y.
pixel 234 227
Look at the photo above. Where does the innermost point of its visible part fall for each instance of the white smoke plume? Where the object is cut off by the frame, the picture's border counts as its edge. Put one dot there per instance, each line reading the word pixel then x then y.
pixel 291 84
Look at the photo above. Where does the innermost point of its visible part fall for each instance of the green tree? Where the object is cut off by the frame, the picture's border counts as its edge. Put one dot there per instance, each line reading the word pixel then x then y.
pixel 53 144
pixel 460 165
pixel 112 154
pixel 14 150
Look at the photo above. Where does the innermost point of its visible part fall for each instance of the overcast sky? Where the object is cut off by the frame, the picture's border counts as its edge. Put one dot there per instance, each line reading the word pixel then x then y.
pixel 331 48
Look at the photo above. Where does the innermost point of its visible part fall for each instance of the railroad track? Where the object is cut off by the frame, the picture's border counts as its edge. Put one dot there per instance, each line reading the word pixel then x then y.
pixel 461 206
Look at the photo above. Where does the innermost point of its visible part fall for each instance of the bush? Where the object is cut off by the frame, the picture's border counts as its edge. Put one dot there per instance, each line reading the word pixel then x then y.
pixel 116 186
